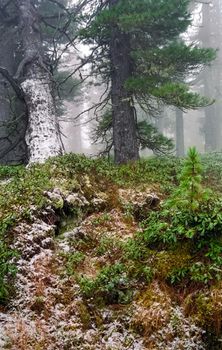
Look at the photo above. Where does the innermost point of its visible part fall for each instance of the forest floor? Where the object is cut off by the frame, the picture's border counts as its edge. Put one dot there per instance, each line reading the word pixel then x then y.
pixel 89 263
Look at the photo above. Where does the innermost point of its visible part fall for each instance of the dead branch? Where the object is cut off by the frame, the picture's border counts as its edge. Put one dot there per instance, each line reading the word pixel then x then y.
pixel 18 90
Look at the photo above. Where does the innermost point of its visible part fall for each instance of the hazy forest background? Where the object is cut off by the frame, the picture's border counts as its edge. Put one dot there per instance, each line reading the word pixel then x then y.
pixel 202 127
pixel 76 90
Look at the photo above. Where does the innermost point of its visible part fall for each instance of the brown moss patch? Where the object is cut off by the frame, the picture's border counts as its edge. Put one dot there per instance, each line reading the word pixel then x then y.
pixel 152 309
pixel 112 223
pixel 206 308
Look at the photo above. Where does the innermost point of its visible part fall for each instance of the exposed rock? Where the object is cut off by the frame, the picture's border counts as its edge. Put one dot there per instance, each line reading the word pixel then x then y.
pixel 76 234
pixel 55 198
pixel 31 238
pixel 139 202
pixel 76 199
pixel 99 203
pixel 5 181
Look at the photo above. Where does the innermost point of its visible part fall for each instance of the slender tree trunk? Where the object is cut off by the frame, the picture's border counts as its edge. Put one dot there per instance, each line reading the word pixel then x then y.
pixel 211 122
pixel 159 123
pixel 42 137
pixel 124 122
pixel 180 151
pixel 211 37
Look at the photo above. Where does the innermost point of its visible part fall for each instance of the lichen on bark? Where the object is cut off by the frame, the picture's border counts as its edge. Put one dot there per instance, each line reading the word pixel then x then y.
pixel 42 135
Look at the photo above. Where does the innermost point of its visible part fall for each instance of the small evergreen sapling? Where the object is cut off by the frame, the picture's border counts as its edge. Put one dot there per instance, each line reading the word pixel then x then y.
pixel 190 193
pixel 190 213
pixel 191 218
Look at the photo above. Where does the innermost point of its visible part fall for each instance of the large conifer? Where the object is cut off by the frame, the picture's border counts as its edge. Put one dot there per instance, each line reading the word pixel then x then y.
pixel 137 48
pixel 40 26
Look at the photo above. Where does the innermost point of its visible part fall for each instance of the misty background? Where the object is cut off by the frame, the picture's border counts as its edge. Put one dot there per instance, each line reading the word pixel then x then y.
pixel 200 128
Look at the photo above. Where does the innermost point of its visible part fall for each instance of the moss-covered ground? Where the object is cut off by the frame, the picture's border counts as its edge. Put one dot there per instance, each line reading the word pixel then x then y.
pixel 147 259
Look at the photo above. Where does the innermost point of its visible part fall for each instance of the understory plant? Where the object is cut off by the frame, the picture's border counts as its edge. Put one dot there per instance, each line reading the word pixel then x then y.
pixel 7 271
pixel 191 215
pixel 111 285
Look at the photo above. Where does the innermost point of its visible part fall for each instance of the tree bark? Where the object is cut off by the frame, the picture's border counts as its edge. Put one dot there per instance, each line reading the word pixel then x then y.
pixel 42 136
pixel 180 150
pixel 12 129
pixel 211 125
pixel 211 37
pixel 124 120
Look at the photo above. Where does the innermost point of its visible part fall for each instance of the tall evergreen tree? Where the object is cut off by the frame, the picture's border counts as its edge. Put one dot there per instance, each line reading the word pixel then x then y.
pixel 12 115
pixel 41 27
pixel 137 51
pixel 42 135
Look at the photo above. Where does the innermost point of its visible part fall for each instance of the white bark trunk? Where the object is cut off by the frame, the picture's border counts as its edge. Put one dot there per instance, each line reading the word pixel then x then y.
pixel 42 136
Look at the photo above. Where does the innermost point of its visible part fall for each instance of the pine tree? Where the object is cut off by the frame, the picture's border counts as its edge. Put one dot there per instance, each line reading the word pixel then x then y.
pixel 137 49
pixel 147 137
pixel 190 193
pixel 41 26
pixel 12 120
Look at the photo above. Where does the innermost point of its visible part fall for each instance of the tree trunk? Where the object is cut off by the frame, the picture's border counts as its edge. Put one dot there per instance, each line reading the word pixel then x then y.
pixel 124 121
pixel 12 128
pixel 42 137
pixel 180 151
pixel 212 119
pixel 211 37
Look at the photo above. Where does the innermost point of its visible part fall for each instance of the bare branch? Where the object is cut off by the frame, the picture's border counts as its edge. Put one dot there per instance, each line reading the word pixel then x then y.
pixel 13 82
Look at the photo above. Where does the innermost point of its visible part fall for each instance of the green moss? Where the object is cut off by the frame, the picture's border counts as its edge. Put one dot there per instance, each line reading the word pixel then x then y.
pixel 73 260
pixel 7 172
pixel 7 272
pixel 168 261
pixel 204 308
pixel 72 173
pixel 108 245
pixel 84 315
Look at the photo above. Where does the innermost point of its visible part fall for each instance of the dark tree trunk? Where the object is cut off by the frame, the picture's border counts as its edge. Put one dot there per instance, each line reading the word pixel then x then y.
pixel 12 126
pixel 42 138
pixel 124 120
pixel 180 151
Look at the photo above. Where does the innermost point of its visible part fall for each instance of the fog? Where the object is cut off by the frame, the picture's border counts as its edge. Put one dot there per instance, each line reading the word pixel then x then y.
pixel 201 128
